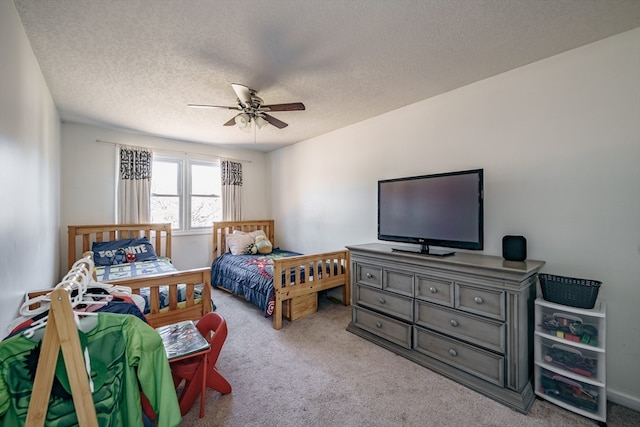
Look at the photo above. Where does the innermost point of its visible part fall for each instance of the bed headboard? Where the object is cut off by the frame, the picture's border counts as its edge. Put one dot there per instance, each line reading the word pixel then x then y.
pixel 81 237
pixel 222 228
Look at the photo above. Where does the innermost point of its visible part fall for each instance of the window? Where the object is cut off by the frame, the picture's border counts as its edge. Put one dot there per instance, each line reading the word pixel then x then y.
pixel 185 193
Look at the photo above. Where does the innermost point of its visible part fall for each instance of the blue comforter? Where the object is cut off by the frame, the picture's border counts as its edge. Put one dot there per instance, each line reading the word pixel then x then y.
pixel 249 276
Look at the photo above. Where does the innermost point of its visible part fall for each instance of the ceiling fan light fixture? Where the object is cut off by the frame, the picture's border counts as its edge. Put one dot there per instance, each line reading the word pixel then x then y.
pixel 243 120
pixel 260 122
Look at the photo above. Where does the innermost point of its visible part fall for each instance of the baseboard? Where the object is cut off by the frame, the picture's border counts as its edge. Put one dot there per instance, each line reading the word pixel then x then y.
pixel 623 399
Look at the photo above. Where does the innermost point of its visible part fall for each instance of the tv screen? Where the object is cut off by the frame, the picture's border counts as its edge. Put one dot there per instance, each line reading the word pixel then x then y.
pixel 443 209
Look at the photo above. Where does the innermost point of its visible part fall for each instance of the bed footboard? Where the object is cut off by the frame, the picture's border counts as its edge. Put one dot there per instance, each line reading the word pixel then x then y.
pixel 330 270
pixel 192 308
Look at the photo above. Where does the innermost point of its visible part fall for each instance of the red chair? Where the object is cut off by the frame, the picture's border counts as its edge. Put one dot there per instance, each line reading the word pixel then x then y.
pixel 191 369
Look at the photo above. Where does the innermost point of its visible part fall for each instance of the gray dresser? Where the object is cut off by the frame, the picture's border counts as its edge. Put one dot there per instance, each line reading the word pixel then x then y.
pixel 468 317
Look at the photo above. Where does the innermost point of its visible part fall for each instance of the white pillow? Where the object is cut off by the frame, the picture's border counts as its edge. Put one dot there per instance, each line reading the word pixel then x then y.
pixel 256 233
pixel 240 243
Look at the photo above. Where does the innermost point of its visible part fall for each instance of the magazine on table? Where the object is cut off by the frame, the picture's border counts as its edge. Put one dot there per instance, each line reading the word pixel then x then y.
pixel 182 339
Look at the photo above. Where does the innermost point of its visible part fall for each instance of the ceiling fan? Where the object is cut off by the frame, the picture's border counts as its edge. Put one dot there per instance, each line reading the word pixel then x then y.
pixel 251 108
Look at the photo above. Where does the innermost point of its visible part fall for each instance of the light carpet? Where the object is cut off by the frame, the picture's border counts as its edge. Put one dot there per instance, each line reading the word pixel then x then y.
pixel 313 372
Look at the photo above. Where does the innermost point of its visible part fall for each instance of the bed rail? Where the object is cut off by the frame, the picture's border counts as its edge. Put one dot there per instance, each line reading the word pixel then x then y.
pixel 191 308
pixel 291 278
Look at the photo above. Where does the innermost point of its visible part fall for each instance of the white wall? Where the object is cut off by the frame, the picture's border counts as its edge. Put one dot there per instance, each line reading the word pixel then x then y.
pixel 29 171
pixel 88 181
pixel 559 141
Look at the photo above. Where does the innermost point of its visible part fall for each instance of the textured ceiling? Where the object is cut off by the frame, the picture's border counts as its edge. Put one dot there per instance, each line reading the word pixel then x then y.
pixel 136 64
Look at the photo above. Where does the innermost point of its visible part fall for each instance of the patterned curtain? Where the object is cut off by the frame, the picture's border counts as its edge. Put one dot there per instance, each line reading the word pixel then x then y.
pixel 231 194
pixel 134 185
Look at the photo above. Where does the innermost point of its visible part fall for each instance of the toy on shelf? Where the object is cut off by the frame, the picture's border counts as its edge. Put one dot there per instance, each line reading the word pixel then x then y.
pixel 571 360
pixel 573 392
pixel 570 328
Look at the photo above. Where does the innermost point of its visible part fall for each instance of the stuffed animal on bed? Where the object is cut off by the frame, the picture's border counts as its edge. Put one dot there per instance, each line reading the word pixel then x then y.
pixel 263 245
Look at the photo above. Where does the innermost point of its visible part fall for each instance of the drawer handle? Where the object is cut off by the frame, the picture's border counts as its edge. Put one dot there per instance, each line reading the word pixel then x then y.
pixel 382 301
pixel 369 275
pixel 478 300
pixel 433 290
pixel 378 325
pixel 453 352
pixel 454 322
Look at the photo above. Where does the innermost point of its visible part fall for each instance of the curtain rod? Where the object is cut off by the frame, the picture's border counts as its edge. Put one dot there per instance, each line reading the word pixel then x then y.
pixel 180 151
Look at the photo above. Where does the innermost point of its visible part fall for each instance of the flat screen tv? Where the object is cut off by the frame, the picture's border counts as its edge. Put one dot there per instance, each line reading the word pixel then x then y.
pixel 444 210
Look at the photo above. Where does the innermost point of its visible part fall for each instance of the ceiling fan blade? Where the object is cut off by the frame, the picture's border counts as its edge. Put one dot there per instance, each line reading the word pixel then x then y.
pixel 292 106
pixel 232 122
pixel 243 93
pixel 211 106
pixel 272 120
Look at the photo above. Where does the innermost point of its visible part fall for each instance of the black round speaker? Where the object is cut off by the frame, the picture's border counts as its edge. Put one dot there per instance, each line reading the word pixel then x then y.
pixel 514 248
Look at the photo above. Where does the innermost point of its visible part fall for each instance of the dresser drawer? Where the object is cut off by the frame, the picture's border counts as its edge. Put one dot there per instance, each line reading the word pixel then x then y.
pixel 433 289
pixel 478 362
pixel 390 329
pixel 482 301
pixel 484 332
pixel 368 275
pixel 395 305
pixel 399 282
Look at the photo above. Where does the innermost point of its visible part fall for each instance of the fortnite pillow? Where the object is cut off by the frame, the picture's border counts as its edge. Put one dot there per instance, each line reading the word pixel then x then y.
pixel 123 251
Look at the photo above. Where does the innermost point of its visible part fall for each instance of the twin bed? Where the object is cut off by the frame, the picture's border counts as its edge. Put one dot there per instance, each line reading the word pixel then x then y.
pixel 280 283
pixel 170 295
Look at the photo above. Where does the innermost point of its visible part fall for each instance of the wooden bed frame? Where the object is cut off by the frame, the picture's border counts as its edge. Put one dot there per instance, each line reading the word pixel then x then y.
pixel 81 238
pixel 300 297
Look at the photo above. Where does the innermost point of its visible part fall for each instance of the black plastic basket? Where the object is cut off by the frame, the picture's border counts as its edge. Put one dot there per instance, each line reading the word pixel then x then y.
pixel 581 293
